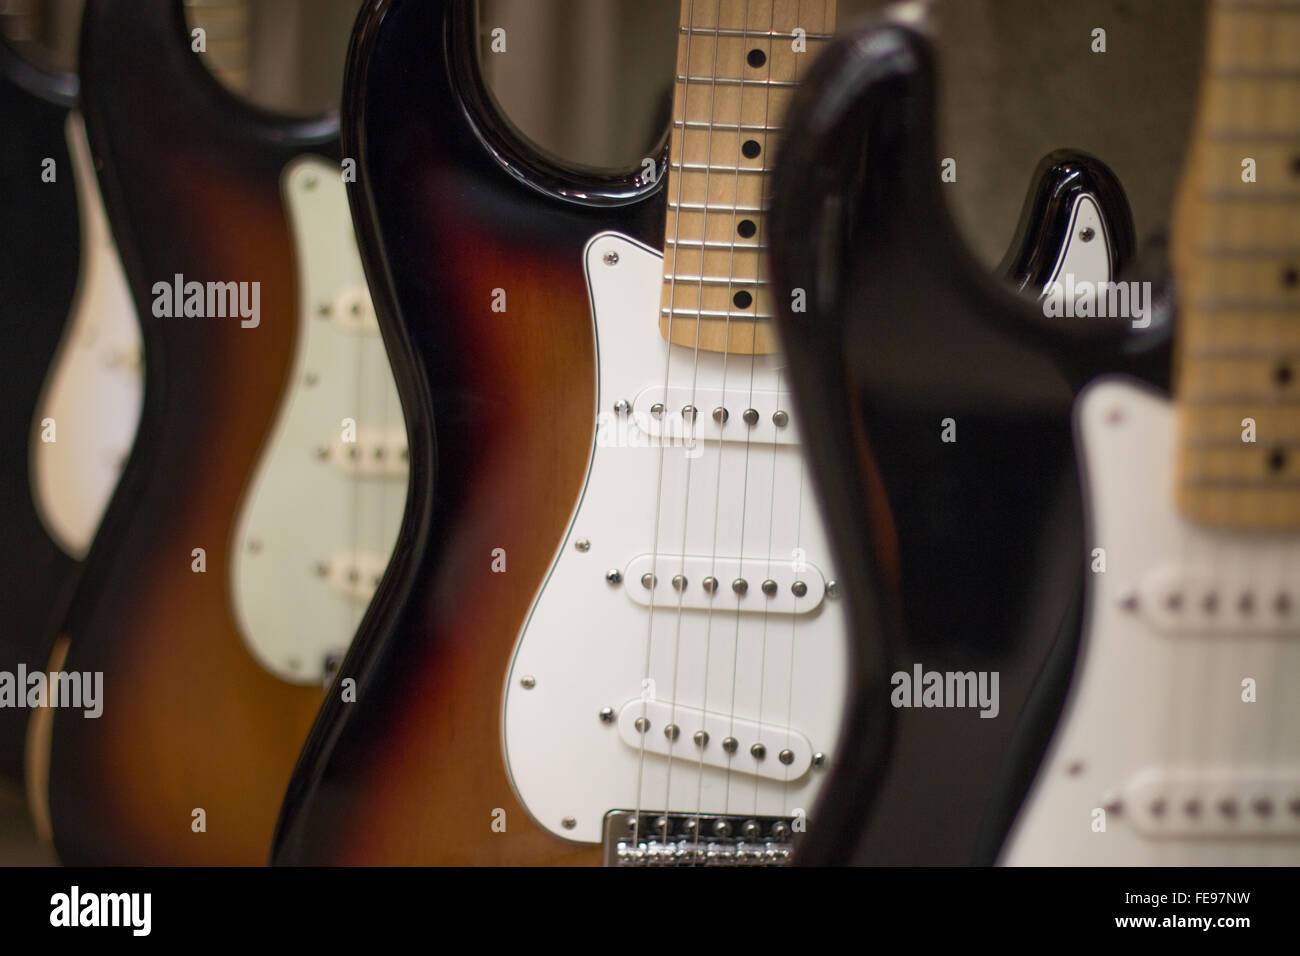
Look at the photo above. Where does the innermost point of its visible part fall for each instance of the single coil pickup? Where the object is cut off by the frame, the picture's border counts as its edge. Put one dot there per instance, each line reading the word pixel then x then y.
pixel 755 585
pixel 1214 803
pixel 376 453
pixel 716 740
pixel 1178 600
pixel 689 839
pixel 355 575
pixel 711 415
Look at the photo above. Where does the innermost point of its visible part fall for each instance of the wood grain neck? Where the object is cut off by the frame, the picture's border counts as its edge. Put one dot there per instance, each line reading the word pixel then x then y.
pixel 1237 259
pixel 227 25
pixel 738 62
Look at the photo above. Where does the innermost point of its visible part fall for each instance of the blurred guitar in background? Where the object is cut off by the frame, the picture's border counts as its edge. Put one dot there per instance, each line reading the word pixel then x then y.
pixel 257 511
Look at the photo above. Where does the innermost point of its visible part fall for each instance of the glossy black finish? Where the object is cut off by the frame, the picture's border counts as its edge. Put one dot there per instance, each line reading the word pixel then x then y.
pixel 964 556
pixel 1045 221
pixel 40 249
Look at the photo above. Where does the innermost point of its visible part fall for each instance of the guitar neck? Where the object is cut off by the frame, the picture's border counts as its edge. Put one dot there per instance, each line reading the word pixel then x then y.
pixel 1237 258
pixel 227 25
pixel 738 62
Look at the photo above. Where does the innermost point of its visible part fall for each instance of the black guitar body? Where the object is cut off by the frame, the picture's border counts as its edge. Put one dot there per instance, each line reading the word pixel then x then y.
pixel 39 262
pixel 946 465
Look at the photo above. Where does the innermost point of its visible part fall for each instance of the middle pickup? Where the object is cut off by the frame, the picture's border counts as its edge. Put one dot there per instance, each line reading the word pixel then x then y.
pixel 756 585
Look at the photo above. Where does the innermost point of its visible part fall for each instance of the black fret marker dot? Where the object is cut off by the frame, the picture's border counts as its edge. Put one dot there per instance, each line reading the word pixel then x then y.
pixel 751 149
pixel 1290 277
pixel 1283 375
pixel 1276 460
pixel 756 58
pixel 746 228
pixel 743 299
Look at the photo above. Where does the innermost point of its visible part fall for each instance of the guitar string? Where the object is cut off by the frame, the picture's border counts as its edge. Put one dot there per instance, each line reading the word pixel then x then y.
pixel 695 372
pixel 826 25
pixel 668 357
pixel 764 166
pixel 1282 650
pixel 726 352
pixel 744 483
pixel 1271 749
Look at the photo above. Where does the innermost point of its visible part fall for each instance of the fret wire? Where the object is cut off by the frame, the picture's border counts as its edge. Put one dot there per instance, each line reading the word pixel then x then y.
pixel 707 168
pixel 1248 195
pixel 1216 250
pixel 753 34
pixel 699 206
pixel 1234 443
pixel 718 313
pixel 1269 400
pixel 1236 353
pixel 1239 481
pixel 1257 6
pixel 1243 305
pixel 1274 73
pixel 1226 135
pixel 711 244
pixel 716 280
pixel 735 81
pixel 705 124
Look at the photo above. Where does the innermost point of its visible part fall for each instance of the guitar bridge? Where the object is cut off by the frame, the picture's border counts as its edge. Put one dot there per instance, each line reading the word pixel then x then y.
pixel 689 839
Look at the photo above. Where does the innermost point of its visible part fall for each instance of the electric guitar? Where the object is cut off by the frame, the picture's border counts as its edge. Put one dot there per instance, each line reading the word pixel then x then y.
pixel 615 632
pixel 1178 742
pixel 41 249
pixel 943 458
pixel 262 499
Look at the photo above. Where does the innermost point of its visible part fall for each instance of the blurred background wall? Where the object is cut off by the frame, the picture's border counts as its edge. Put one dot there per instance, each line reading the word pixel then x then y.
pixel 589 80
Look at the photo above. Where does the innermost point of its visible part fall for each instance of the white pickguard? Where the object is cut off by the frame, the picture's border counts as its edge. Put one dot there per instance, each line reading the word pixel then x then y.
pixel 774 677
pixel 95 386
pixel 1085 259
pixel 1155 732
pixel 320 516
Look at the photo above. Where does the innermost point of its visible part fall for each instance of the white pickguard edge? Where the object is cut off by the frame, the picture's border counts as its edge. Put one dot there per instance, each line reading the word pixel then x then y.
pixel 301 510
pixel 584 644
pixel 1088 260
pixel 1146 702
pixel 95 385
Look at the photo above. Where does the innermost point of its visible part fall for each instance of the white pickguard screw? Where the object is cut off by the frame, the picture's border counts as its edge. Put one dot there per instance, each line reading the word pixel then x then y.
pixel 614 576
pixel 610 258
pixel 583 545
pixel 607 715
pixel 568 823
pixel 528 682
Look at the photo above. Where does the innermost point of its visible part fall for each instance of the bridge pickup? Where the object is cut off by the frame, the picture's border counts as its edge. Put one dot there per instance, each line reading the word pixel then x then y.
pixel 773 419
pixel 377 453
pixel 688 839
pixel 729 743
pixel 754 585
pixel 1214 803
